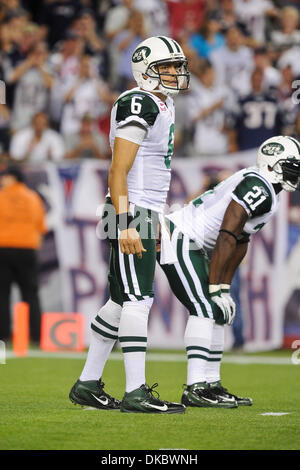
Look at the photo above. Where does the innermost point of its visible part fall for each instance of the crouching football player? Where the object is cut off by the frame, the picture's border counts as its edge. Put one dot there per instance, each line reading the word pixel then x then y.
pixel 210 236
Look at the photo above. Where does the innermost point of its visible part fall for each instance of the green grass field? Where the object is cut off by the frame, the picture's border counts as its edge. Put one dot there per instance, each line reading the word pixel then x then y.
pixel 36 413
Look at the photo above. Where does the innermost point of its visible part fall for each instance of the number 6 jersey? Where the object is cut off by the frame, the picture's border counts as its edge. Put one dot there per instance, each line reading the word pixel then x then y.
pixel 201 219
pixel 149 178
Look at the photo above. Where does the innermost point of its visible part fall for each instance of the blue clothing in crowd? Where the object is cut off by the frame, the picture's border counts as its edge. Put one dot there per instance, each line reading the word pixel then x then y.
pixel 205 48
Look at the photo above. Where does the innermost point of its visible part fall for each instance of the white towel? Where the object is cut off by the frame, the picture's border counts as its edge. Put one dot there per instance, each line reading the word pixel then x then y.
pixel 167 252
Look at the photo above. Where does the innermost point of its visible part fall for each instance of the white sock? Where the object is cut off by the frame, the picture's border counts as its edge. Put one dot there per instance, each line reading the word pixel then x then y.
pixel 133 339
pixel 216 352
pixel 104 335
pixel 197 339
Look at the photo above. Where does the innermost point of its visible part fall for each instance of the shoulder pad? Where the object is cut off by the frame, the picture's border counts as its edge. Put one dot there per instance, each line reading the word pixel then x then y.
pixel 254 194
pixel 137 104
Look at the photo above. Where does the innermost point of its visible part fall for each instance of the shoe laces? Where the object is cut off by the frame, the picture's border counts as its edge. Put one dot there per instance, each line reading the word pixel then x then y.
pixel 204 392
pixel 223 390
pixel 151 390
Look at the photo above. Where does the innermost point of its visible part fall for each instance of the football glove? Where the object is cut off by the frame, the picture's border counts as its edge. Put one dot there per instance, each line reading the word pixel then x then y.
pixel 225 289
pixel 226 306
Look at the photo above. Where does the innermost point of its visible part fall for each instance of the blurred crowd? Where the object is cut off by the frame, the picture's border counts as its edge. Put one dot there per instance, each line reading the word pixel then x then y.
pixel 65 62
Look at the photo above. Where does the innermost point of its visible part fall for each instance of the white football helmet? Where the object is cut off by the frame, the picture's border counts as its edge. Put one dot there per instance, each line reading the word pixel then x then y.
pixel 145 63
pixel 278 160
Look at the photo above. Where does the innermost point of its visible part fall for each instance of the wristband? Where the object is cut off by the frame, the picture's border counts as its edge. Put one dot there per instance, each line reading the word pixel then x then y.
pixel 225 288
pixel 214 289
pixel 124 220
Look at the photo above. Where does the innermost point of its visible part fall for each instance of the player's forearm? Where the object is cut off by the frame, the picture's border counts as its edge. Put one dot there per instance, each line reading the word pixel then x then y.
pixel 117 181
pixel 234 262
pixel 221 256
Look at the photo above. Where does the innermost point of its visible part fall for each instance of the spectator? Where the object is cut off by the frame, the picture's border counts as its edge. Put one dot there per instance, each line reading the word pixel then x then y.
pixel 88 143
pixel 22 224
pixel 87 94
pixel 185 16
pixel 253 13
pixel 19 42
pixel 257 116
pixel 127 41
pixel 183 125
pixel 4 128
pixel 155 15
pixel 37 143
pixel 85 27
pixel 284 94
pixel 233 62
pixel 290 57
pixel 7 6
pixel 272 76
pixel 11 30
pixel 207 108
pixel 117 18
pixel 208 38
pixel 64 65
pixel 226 16
pixel 285 87
pixel 116 21
pixel 33 82
pixel 57 16
pixel 289 35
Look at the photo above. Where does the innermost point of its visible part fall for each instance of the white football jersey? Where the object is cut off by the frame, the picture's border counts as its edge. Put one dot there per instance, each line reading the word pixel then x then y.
pixel 233 68
pixel 209 137
pixel 202 218
pixel 148 180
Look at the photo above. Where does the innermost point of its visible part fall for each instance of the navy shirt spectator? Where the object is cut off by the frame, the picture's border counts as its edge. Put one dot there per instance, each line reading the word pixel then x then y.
pixel 57 16
pixel 257 116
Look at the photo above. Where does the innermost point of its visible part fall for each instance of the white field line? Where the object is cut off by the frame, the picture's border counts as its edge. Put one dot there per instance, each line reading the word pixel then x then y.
pixel 160 357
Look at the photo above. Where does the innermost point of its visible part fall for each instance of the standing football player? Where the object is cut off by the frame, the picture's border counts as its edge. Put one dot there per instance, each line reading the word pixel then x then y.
pixel 141 138
pixel 210 236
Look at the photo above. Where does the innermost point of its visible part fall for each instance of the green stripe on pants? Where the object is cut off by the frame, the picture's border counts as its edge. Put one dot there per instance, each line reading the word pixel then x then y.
pixel 131 278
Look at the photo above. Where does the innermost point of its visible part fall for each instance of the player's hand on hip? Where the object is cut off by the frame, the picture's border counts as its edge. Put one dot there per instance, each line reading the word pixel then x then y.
pixel 131 243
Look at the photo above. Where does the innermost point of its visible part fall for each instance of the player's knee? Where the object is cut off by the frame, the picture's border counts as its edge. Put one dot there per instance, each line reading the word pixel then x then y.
pixel 106 323
pixel 143 305
pixel 198 328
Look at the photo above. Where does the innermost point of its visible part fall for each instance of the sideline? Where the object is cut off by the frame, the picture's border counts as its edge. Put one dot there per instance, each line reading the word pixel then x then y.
pixel 159 357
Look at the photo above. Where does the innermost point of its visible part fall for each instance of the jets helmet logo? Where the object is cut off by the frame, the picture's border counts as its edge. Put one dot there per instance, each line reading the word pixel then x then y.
pixel 140 54
pixel 272 148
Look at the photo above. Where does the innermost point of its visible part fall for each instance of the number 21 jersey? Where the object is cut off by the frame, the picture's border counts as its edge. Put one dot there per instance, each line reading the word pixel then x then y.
pixel 202 218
